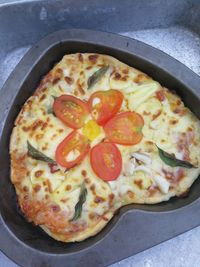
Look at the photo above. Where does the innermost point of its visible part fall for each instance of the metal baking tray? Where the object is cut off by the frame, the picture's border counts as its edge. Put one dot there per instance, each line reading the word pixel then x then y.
pixel 135 227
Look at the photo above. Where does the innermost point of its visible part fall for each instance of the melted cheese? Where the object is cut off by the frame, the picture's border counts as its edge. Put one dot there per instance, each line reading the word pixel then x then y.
pixel 162 183
pixel 141 93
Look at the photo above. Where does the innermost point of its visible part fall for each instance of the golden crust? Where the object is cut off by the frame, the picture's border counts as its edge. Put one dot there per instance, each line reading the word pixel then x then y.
pixel 48 200
pixel 48 214
pixel 18 168
pixel 83 233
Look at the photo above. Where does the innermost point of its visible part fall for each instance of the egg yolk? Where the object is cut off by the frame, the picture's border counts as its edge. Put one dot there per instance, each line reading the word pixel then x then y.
pixel 91 130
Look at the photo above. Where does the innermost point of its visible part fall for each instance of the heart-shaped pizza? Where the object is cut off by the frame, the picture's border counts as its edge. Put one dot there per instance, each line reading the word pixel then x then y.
pixel 96 135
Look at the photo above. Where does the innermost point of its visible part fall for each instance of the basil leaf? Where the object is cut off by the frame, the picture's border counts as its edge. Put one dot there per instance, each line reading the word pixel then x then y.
pixel 96 76
pixel 172 161
pixel 50 109
pixel 54 97
pixel 34 153
pixel 79 204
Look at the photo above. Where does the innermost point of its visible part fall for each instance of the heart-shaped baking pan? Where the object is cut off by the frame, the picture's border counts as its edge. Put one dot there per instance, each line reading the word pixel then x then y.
pixel 135 227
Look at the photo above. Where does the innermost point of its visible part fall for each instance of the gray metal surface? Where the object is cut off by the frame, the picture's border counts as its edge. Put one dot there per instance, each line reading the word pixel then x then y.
pixel 172 26
pixel 179 42
pixel 168 25
pixel 172 253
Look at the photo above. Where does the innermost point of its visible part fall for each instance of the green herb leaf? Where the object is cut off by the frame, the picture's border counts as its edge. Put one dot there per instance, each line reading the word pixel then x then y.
pixel 172 161
pixel 50 109
pixel 96 76
pixel 54 97
pixel 34 153
pixel 79 204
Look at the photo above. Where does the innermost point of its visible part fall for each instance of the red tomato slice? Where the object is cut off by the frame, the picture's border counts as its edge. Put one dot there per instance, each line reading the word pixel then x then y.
pixel 106 161
pixel 72 150
pixel 103 105
pixel 125 128
pixel 70 110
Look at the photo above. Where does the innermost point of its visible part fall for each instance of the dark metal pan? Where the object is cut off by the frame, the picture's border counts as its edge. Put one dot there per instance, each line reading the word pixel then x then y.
pixel 135 227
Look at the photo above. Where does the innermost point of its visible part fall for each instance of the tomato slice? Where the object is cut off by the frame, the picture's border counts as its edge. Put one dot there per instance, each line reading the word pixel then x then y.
pixel 106 161
pixel 70 110
pixel 72 150
pixel 103 105
pixel 125 128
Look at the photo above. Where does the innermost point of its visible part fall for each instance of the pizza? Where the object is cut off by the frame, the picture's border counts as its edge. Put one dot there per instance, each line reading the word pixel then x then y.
pixel 96 135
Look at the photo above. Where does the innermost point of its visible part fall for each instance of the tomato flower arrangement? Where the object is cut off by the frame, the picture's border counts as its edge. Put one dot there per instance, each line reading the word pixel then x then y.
pixel 124 128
